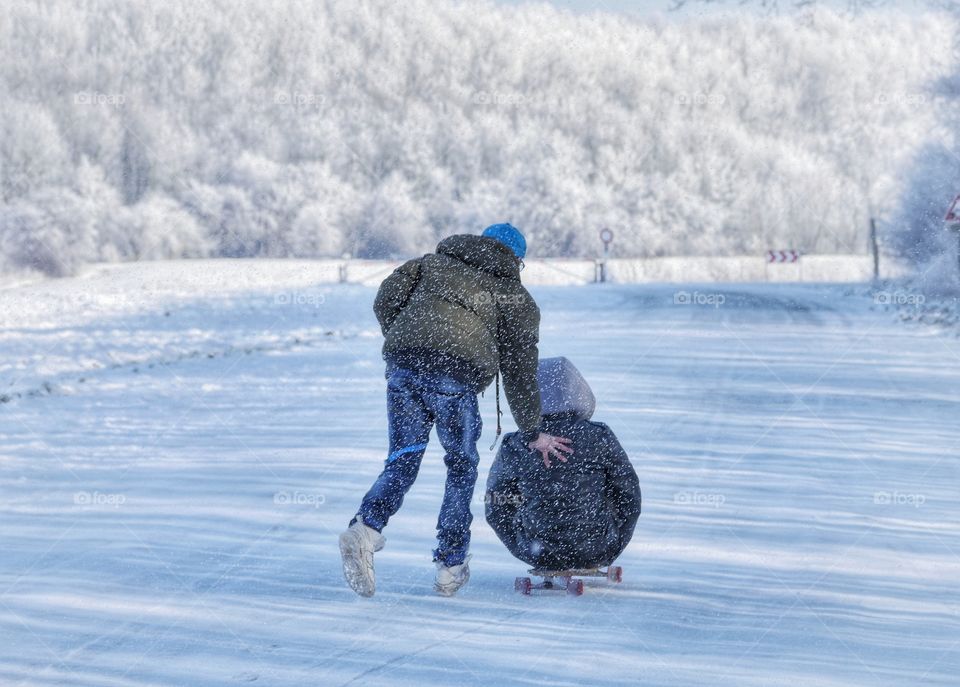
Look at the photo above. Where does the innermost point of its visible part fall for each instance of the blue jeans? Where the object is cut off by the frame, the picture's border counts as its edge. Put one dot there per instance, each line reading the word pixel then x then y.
pixel 415 402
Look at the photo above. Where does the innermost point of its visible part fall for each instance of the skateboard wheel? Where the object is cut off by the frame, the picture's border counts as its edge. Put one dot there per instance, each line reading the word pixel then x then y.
pixel 615 573
pixel 523 585
pixel 575 587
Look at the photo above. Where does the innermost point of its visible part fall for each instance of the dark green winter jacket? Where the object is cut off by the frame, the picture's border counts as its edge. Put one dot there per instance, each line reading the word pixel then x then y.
pixel 463 310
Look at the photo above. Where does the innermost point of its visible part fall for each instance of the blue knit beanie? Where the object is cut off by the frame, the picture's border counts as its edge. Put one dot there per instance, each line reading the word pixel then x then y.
pixel 508 235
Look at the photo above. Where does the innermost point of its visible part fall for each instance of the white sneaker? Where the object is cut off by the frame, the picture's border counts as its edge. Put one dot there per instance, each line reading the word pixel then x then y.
pixel 357 546
pixel 450 579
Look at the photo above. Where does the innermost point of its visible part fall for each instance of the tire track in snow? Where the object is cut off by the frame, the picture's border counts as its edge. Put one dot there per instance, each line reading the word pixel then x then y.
pixel 55 386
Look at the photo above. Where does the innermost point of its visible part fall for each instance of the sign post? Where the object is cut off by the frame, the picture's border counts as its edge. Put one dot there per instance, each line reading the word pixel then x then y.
pixel 607 237
pixel 951 222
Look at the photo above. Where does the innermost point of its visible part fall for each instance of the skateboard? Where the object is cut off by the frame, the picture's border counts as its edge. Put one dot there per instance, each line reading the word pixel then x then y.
pixel 565 580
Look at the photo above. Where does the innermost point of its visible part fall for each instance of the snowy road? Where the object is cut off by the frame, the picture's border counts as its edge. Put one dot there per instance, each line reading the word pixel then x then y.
pixel 171 519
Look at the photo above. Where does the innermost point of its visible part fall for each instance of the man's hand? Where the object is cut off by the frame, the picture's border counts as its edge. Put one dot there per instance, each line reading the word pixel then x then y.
pixel 548 445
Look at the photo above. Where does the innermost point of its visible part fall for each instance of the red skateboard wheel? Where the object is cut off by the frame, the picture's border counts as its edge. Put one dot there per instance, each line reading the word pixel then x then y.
pixel 523 585
pixel 615 573
pixel 575 587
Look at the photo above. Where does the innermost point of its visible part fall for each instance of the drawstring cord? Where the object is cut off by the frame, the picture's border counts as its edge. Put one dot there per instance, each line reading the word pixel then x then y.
pixel 499 413
pixel 497 338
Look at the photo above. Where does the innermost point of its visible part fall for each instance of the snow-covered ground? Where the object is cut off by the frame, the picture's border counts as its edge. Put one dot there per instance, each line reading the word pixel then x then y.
pixel 180 445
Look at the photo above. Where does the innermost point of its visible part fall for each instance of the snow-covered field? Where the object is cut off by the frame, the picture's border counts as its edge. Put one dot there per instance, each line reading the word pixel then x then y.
pixel 181 443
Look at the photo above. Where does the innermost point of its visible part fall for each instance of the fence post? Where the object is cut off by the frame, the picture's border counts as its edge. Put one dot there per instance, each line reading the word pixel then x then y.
pixel 875 249
pixel 607 237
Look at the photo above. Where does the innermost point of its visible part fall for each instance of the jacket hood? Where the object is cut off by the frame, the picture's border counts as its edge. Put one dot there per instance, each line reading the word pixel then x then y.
pixel 482 253
pixel 563 390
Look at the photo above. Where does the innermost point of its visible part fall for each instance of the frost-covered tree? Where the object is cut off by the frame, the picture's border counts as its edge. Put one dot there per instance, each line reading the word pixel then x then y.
pixel 32 152
pixel 159 227
pixel 50 231
pixel 375 128
pixel 916 234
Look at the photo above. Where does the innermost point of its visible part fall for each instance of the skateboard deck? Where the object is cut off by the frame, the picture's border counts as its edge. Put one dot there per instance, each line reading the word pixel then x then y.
pixel 567 581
